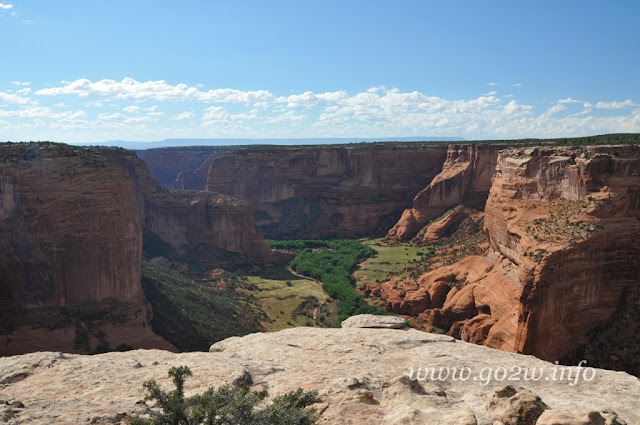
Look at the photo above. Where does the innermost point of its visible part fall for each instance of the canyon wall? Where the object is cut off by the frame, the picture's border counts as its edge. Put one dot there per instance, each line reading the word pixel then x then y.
pixel 70 251
pixel 74 221
pixel 330 191
pixel 69 220
pixel 561 276
pixel 192 226
pixel 181 167
pixel 465 179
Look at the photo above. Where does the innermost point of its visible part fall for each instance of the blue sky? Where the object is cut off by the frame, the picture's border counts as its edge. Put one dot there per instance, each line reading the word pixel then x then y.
pixel 84 71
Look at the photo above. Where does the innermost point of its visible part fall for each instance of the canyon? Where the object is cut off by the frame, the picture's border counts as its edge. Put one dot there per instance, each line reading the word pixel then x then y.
pixel 549 266
pixel 74 222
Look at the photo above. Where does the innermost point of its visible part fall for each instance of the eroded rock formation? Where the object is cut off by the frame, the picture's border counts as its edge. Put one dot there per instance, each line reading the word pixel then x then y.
pixel 326 191
pixel 563 264
pixel 465 178
pixel 74 221
pixel 372 376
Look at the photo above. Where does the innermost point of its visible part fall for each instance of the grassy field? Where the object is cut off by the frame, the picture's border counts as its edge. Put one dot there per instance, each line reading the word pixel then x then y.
pixel 389 258
pixel 289 300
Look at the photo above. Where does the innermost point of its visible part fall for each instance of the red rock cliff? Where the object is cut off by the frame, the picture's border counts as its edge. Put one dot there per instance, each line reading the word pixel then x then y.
pixel 70 249
pixel 326 191
pixel 561 278
pixel 192 226
pixel 71 232
pixel 569 221
pixel 465 178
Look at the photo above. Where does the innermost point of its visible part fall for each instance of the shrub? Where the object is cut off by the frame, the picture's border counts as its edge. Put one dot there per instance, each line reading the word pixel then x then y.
pixel 227 405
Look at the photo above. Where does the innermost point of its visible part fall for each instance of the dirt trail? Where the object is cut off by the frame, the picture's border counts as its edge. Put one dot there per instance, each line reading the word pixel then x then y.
pixel 315 282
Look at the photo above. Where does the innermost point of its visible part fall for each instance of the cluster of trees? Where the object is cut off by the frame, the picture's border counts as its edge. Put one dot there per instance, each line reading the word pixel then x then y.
pixel 332 262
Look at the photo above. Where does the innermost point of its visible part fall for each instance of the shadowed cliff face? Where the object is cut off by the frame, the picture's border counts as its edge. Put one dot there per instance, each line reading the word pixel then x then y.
pixel 192 226
pixel 69 219
pixel 465 178
pixel 73 220
pixel 181 167
pixel 70 252
pixel 325 191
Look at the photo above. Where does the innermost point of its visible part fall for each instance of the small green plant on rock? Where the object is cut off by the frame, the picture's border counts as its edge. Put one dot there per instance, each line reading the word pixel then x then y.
pixel 226 405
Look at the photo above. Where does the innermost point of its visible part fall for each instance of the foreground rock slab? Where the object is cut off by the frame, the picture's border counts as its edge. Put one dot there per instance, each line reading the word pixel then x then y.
pixel 364 376
pixel 374 321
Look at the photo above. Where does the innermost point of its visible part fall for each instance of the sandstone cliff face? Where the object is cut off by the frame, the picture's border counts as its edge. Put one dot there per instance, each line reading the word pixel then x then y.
pixel 194 226
pixel 576 246
pixel 181 167
pixel 363 376
pixel 325 191
pixel 563 265
pixel 74 220
pixel 465 178
pixel 69 222
pixel 70 248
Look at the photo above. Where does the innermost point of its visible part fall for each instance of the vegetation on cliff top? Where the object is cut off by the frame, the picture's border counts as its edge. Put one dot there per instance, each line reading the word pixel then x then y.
pixel 227 405
pixel 193 315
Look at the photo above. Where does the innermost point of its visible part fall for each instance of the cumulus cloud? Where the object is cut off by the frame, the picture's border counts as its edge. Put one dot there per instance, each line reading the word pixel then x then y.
pixel 288 116
pixel 371 112
pixel 615 105
pixel 570 100
pixel 131 109
pixel 131 89
pixel 186 115
pixel 42 112
pixel 215 113
pixel 5 6
pixel 308 99
pixel 20 83
pixel 13 98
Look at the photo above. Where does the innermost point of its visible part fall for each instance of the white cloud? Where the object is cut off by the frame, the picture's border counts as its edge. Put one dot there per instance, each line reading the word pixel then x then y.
pixel 131 109
pixel 570 100
pixel 5 6
pixel 493 84
pixel 308 99
pixel 131 89
pixel 20 83
pixel 215 113
pixel 13 98
pixel 517 85
pixel 288 116
pixel 615 105
pixel 186 115
pixel 42 112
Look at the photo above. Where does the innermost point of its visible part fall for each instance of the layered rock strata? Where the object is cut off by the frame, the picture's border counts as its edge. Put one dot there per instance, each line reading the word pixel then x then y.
pixel 181 167
pixel 74 221
pixel 563 265
pixel 332 191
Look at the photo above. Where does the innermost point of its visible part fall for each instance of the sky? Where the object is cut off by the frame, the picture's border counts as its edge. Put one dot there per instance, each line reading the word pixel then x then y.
pixel 86 71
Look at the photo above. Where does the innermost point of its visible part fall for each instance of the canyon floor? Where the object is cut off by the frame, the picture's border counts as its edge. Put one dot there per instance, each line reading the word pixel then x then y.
pixel 362 376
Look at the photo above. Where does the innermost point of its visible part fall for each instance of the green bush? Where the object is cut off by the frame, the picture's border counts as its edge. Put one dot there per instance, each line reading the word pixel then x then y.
pixel 227 405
